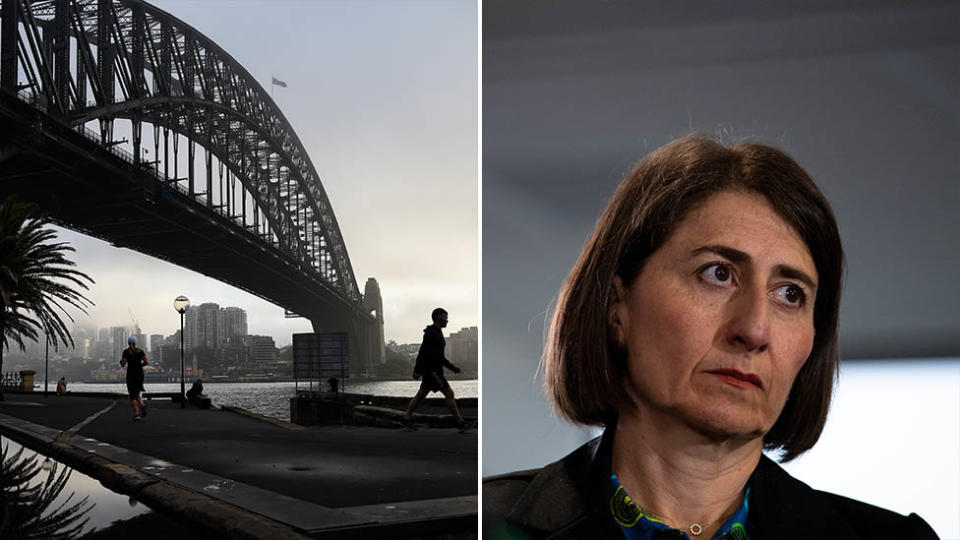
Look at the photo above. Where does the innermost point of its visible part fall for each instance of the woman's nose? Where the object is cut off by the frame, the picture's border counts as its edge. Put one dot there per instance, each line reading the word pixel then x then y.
pixel 748 327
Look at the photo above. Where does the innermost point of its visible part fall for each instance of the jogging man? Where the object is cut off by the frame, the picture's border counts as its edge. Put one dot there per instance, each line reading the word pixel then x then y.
pixel 429 369
pixel 134 359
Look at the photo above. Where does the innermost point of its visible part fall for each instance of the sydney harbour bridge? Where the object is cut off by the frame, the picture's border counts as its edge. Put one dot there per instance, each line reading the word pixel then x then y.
pixel 124 123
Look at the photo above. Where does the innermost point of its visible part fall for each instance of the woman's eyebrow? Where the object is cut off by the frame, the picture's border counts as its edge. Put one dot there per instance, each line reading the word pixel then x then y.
pixel 734 255
pixel 792 273
pixel 737 256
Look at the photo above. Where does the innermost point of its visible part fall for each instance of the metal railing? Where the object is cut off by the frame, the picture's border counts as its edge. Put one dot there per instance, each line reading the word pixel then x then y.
pixel 11 379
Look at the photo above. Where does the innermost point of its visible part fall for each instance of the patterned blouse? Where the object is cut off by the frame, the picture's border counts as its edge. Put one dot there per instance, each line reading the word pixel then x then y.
pixel 639 526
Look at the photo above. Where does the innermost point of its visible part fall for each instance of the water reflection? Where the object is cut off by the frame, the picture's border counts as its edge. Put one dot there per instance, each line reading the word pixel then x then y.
pixel 105 514
pixel 31 488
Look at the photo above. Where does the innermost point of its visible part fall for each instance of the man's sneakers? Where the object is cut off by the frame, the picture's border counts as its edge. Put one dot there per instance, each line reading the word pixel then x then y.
pixel 136 417
pixel 467 425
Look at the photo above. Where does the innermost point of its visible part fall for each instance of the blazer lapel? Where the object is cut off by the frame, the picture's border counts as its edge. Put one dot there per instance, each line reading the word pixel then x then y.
pixel 550 502
pixel 566 498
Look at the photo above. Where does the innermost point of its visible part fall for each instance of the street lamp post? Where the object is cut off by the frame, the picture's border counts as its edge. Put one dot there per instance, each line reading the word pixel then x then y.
pixel 181 303
pixel 46 364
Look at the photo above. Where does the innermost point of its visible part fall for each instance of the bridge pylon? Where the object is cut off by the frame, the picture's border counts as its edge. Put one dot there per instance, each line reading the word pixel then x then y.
pixel 364 330
pixel 373 302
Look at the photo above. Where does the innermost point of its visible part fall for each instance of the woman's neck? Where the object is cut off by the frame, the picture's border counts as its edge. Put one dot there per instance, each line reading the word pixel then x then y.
pixel 679 476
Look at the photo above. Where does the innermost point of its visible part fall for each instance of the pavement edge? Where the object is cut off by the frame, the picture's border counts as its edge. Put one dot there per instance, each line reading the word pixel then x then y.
pixel 210 514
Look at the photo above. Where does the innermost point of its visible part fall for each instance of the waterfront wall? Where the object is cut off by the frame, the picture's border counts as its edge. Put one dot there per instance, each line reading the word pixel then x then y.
pixel 363 409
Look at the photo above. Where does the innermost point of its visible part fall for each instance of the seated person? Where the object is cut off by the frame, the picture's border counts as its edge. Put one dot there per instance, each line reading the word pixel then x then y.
pixel 195 395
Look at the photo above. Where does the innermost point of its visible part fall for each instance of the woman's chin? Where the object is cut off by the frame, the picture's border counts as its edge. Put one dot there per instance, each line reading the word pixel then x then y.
pixel 727 422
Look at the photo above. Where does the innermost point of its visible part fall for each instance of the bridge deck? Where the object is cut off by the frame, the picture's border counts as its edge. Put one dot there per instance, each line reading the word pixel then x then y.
pixel 314 479
pixel 88 188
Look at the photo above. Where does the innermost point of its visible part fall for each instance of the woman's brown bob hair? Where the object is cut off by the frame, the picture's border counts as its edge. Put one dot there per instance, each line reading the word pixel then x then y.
pixel 585 369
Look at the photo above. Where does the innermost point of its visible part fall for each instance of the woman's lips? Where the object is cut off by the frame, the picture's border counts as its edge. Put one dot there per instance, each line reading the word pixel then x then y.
pixel 737 378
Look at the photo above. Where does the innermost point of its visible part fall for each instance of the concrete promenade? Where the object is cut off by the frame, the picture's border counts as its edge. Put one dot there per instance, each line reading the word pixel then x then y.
pixel 239 476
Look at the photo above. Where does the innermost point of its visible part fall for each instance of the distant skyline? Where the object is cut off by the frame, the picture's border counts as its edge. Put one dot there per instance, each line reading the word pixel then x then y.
pixel 383 96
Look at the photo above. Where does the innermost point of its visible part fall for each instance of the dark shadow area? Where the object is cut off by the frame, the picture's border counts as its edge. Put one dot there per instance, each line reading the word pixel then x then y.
pixel 147 527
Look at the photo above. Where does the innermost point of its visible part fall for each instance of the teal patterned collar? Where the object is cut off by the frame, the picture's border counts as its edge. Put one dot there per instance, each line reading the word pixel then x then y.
pixel 639 526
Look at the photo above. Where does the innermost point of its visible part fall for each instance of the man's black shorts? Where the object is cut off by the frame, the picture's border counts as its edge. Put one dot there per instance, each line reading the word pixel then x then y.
pixel 134 388
pixel 434 382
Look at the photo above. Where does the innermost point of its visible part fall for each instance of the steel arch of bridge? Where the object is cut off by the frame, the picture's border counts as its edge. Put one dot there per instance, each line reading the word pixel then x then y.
pixel 85 61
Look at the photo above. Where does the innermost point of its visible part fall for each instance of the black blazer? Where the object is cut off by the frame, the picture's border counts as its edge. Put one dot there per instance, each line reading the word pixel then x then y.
pixel 570 499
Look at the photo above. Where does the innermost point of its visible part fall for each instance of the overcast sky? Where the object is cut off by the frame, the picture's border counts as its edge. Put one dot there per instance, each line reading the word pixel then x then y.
pixel 383 95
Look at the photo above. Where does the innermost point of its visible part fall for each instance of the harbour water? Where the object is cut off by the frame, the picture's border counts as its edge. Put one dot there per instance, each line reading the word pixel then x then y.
pixel 273 398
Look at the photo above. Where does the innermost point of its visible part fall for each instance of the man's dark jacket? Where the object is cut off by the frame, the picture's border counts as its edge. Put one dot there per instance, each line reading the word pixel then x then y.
pixel 430 359
pixel 570 499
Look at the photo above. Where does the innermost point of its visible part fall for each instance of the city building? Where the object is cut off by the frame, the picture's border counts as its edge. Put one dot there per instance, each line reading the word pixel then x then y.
pixel 156 340
pixel 234 325
pixel 215 343
pixel 141 339
pixel 234 354
pixel 190 327
pixel 100 348
pixel 262 351
pixel 118 341
pixel 209 325
pixel 82 346
pixel 81 341
pixel 462 349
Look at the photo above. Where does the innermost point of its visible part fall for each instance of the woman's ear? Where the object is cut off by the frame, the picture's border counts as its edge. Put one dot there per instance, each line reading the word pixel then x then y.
pixel 618 315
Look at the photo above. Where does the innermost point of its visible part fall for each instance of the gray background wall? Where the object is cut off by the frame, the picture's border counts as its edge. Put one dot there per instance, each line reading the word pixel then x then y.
pixel 865 95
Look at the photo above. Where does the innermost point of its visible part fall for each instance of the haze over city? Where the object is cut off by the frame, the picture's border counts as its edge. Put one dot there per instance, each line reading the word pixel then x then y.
pixel 391 127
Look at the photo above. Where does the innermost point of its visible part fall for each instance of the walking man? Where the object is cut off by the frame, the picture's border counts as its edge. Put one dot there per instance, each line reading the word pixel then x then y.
pixel 134 359
pixel 429 369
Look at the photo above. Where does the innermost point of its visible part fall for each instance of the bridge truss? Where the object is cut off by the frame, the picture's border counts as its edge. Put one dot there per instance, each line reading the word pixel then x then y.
pixel 91 64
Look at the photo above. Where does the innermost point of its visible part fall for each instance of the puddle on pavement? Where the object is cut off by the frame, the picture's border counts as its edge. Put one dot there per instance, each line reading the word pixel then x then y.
pixel 108 514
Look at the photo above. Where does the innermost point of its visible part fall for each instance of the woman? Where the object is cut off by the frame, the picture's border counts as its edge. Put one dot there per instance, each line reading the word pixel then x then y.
pixel 134 359
pixel 699 327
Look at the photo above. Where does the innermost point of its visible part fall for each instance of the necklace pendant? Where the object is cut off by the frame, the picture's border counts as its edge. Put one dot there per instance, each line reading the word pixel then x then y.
pixel 696 529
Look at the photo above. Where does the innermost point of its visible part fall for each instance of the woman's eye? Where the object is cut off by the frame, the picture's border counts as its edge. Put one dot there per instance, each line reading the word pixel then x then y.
pixel 716 273
pixel 791 295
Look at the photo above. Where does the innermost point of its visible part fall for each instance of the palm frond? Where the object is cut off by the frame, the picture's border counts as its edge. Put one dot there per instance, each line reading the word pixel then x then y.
pixel 28 511
pixel 37 280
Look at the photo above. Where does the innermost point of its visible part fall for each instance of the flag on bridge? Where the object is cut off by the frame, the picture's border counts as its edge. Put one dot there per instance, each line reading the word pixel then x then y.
pixel 278 82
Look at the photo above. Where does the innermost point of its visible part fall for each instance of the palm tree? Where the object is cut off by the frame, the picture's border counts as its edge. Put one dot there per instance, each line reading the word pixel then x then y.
pixel 35 277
